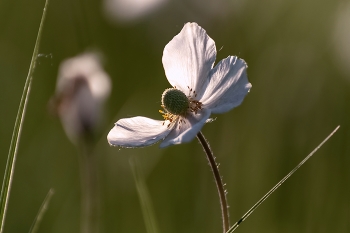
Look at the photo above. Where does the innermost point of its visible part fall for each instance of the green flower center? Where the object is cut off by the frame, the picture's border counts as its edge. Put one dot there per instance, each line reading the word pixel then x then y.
pixel 175 101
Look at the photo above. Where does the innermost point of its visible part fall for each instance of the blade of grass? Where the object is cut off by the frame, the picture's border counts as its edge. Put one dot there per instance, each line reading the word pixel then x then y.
pixel 145 199
pixel 42 211
pixel 246 215
pixel 10 164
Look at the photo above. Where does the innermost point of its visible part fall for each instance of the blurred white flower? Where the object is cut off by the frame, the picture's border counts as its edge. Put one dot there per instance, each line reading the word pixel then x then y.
pixel 198 91
pixel 130 10
pixel 341 37
pixel 82 88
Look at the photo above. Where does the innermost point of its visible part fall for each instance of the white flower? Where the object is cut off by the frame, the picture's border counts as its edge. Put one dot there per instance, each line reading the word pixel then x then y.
pixel 82 87
pixel 125 11
pixel 199 89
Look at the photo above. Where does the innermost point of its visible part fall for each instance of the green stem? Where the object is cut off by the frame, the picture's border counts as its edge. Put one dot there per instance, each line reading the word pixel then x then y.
pixel 218 181
pixel 89 190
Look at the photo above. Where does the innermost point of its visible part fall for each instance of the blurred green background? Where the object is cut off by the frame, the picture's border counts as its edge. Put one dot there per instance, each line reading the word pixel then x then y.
pixel 298 53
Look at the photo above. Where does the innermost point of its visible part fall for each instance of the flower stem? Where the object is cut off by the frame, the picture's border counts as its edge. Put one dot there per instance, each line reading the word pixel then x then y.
pixel 218 181
pixel 89 190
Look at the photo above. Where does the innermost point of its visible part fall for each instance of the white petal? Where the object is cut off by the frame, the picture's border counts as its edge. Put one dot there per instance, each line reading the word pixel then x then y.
pixel 227 86
pixel 137 132
pixel 185 132
pixel 188 58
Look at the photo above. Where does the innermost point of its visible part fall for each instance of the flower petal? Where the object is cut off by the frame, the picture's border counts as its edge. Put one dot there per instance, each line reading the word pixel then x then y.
pixel 186 130
pixel 137 132
pixel 227 86
pixel 188 58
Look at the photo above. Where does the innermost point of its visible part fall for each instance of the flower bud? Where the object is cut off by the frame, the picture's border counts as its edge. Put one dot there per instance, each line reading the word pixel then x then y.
pixel 81 90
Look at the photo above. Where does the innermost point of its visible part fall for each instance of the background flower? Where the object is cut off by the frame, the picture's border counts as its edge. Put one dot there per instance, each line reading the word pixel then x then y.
pixel 81 90
pixel 126 11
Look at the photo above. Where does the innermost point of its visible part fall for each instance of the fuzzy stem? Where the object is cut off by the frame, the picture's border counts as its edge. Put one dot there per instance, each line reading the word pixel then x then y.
pixel 218 181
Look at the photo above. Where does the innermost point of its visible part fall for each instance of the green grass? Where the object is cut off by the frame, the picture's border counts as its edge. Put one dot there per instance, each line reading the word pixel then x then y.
pixel 251 210
pixel 11 159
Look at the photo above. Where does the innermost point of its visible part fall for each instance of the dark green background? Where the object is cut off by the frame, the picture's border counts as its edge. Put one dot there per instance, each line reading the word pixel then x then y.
pixel 301 92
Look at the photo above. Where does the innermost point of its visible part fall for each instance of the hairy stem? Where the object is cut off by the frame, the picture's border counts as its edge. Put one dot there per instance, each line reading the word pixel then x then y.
pixel 218 181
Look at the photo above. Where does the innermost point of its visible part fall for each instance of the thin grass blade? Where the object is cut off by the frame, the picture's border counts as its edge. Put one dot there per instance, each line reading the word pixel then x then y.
pixel 42 211
pixel 145 199
pixel 10 164
pixel 246 215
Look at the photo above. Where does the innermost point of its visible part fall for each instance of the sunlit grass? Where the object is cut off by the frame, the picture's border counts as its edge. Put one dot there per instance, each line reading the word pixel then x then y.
pixel 42 211
pixel 251 210
pixel 11 159
pixel 144 197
